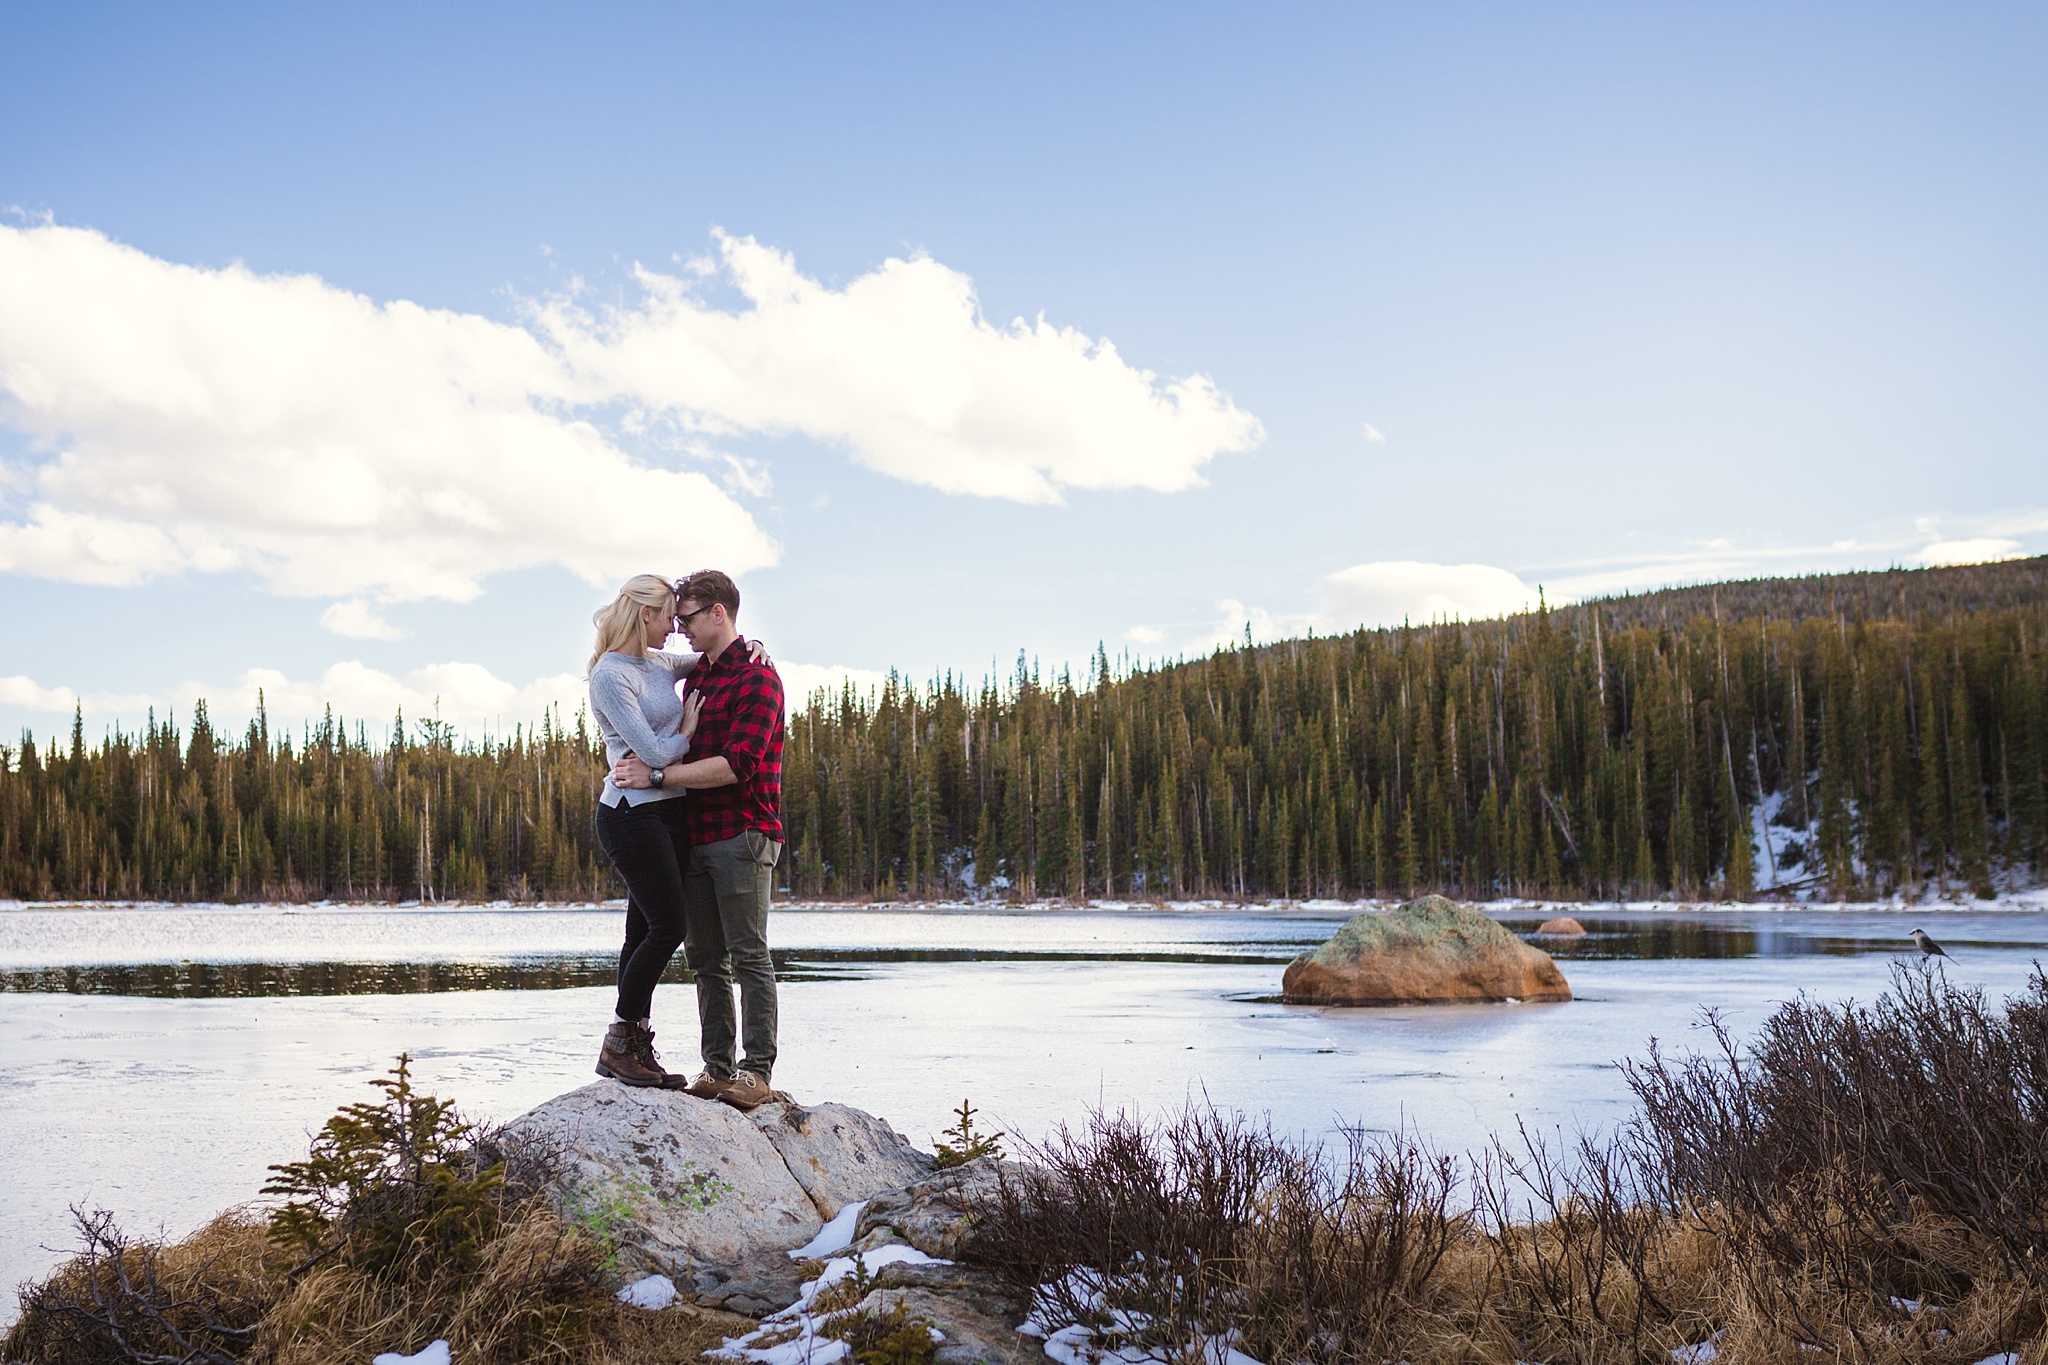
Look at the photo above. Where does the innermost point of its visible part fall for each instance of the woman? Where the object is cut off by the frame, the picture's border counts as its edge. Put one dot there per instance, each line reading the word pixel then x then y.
pixel 633 697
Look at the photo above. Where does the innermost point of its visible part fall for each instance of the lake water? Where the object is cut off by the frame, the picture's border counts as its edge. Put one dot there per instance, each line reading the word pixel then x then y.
pixel 155 1059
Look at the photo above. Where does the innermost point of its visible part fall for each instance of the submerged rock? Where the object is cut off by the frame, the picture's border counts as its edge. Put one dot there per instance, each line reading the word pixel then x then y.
pixel 1429 951
pixel 1564 926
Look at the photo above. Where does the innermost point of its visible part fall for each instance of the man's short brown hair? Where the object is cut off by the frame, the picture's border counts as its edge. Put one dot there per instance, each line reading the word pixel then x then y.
pixel 707 586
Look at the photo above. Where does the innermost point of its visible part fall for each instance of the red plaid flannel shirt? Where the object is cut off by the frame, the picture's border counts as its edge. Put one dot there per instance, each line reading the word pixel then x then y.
pixel 741 721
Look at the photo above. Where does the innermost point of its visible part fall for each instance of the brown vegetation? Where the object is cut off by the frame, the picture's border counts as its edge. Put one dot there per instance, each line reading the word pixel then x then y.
pixel 404 1225
pixel 1869 1183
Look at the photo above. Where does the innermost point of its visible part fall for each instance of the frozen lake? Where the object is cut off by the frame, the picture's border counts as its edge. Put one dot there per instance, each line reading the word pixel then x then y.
pixel 154 1060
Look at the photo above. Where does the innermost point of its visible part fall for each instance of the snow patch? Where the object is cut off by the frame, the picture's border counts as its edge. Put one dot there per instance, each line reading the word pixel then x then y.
pixel 436 1354
pixel 794 1335
pixel 1075 1344
pixel 654 1293
pixel 836 1235
pixel 1699 1353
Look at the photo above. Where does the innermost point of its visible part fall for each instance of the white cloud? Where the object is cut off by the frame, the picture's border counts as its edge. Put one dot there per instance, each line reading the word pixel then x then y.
pixel 1144 635
pixel 1374 435
pixel 901 368
pixel 468 696
pixel 358 620
pixel 1236 618
pixel 1976 550
pixel 1388 592
pixel 750 477
pixel 208 419
pixel 1976 538
pixel 30 695
pixel 799 681
pixel 188 419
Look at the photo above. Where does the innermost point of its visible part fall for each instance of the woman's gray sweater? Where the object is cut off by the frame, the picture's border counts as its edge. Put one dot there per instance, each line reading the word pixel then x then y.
pixel 638 712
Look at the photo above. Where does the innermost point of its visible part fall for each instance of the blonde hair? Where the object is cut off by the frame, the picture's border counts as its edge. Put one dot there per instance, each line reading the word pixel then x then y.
pixel 618 625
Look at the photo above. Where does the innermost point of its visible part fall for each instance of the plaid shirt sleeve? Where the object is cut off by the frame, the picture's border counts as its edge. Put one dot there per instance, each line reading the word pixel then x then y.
pixel 756 710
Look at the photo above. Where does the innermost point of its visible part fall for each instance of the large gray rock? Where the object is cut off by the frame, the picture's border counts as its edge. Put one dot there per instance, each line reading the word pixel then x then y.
pixel 839 1154
pixel 937 1214
pixel 973 1336
pixel 1430 950
pixel 759 1285
pixel 683 1184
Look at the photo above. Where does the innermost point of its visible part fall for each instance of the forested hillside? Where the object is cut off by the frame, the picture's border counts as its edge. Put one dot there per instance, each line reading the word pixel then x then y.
pixel 319 816
pixel 1883 595
pixel 1853 735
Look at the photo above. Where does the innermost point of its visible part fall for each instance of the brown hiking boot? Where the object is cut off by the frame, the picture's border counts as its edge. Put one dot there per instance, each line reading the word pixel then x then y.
pixel 745 1090
pixel 706 1086
pixel 628 1056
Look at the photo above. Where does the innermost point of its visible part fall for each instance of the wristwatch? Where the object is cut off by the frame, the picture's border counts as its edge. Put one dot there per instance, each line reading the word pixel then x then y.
pixel 654 777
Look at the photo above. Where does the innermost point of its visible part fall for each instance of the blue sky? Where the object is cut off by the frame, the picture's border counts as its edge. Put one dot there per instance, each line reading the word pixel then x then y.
pixel 356 355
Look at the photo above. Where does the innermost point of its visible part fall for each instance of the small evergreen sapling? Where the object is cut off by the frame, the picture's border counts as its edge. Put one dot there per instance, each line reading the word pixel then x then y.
pixel 385 1183
pixel 966 1144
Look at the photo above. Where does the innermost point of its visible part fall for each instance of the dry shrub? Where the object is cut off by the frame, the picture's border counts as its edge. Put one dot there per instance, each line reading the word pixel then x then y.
pixel 1209 1223
pixel 1856 1156
pixel 883 1333
pixel 1785 1200
pixel 532 1297
pixel 198 1302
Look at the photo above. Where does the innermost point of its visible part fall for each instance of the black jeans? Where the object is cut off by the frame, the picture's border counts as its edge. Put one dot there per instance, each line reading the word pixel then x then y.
pixel 646 845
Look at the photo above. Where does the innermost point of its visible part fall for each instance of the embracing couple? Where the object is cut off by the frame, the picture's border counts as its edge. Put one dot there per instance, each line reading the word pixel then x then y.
pixel 692 818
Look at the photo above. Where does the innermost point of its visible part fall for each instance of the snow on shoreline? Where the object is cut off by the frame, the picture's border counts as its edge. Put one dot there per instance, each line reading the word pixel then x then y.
pixel 2033 901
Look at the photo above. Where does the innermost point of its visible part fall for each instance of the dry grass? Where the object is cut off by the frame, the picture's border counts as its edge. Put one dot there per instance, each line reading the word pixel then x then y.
pixel 536 1297
pixel 201 1300
pixel 1782 1199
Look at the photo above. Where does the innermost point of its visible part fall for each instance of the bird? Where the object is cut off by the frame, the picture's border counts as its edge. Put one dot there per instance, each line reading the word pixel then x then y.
pixel 1928 947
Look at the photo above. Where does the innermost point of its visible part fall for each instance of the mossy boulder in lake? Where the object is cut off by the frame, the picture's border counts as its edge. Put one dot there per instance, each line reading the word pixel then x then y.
pixel 1429 951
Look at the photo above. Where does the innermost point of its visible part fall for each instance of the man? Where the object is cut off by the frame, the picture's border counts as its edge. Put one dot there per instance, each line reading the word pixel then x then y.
pixel 733 818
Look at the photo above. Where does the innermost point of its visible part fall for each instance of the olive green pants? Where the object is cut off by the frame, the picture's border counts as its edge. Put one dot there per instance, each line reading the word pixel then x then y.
pixel 725 911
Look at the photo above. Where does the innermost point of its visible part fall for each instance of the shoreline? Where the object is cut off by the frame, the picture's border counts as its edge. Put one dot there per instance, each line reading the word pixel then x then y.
pixel 2030 901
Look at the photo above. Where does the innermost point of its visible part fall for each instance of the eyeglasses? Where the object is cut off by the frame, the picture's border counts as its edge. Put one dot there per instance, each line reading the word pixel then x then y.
pixel 681 617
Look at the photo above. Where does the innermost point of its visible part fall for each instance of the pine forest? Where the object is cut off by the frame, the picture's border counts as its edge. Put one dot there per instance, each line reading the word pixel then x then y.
pixel 1850 736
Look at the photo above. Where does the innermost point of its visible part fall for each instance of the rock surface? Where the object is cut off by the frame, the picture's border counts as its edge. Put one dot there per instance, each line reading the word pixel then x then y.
pixel 1429 951
pixel 716 1199
pixel 758 1285
pixel 936 1215
pixel 839 1154
pixel 977 1318
pixel 1564 926
pixel 688 1182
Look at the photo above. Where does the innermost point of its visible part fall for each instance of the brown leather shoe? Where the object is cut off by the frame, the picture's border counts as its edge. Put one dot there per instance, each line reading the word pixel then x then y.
pixel 745 1090
pixel 628 1057
pixel 705 1087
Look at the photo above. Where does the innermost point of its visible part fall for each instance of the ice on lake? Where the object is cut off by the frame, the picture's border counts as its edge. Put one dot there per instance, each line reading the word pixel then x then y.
pixel 155 1060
